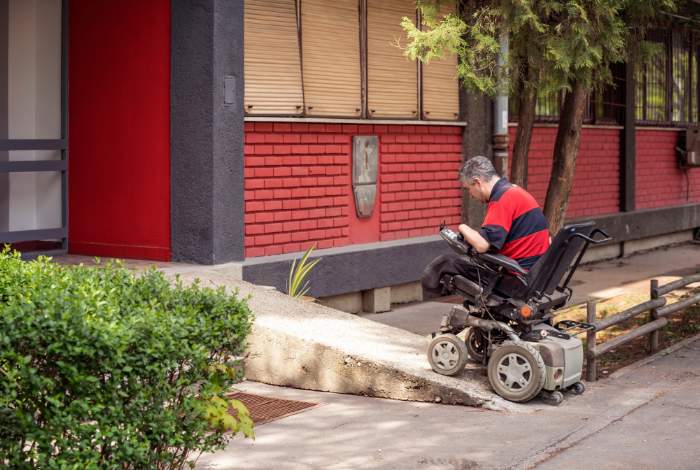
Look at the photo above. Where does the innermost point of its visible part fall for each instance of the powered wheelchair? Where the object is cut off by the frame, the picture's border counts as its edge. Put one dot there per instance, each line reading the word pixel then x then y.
pixel 509 315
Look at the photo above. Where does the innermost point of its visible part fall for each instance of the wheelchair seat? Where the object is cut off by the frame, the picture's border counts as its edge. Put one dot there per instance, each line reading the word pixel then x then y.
pixel 503 261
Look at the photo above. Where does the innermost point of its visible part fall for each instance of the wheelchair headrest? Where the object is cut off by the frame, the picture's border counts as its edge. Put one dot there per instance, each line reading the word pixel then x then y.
pixel 547 273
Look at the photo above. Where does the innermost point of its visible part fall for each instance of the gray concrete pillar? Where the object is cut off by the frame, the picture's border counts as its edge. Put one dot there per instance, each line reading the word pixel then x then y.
pixel 207 131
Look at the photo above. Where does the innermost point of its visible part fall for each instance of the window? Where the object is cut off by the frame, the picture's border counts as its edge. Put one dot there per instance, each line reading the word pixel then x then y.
pixel 331 58
pixel 651 85
pixel 271 58
pixel 608 104
pixel 667 79
pixel 440 84
pixel 666 82
pixel 339 58
pixel 548 107
pixel 392 78
pixel 680 78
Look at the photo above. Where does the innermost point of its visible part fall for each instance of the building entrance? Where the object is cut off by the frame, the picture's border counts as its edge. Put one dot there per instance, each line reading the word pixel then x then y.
pixel 33 131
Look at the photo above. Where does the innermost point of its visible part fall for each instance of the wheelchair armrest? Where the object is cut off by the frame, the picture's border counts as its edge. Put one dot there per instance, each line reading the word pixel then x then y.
pixel 503 261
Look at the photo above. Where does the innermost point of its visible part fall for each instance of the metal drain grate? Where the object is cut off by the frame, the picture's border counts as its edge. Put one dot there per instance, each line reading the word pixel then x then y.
pixel 266 409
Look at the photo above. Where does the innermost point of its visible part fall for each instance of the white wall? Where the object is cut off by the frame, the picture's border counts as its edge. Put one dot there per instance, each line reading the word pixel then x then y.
pixel 34 108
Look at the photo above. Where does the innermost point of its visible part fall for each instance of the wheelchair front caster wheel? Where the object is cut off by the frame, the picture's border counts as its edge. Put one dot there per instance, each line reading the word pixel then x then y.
pixel 447 354
pixel 578 388
pixel 553 398
pixel 556 398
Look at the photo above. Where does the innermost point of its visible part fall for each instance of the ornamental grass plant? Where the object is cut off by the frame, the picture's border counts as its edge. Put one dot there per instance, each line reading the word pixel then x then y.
pixel 102 368
pixel 298 283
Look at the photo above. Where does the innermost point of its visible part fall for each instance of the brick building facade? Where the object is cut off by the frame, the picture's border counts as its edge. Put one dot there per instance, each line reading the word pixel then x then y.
pixel 190 131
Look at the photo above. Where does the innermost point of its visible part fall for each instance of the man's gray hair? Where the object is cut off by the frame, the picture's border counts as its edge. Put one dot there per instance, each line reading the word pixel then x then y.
pixel 477 167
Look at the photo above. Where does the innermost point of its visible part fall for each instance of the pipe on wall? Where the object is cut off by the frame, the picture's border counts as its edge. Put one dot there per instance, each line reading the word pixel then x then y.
pixel 500 110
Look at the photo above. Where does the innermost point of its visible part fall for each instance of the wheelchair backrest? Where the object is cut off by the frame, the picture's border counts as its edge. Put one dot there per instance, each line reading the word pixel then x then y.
pixel 548 271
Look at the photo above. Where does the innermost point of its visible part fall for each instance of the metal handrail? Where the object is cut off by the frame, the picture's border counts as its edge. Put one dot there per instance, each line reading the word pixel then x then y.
pixel 658 311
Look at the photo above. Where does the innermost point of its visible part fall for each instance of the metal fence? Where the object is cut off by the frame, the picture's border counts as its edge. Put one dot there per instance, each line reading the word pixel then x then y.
pixel 657 319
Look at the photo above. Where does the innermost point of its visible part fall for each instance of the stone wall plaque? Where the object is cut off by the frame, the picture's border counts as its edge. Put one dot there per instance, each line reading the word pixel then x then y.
pixel 365 165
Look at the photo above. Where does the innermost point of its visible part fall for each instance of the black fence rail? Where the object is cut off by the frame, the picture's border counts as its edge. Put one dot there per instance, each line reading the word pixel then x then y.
pixel 657 319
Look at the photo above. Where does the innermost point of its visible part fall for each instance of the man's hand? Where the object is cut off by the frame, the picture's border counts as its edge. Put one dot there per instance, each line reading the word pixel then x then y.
pixel 474 238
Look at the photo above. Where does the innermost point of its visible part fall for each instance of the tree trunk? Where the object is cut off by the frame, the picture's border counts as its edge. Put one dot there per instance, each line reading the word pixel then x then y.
pixel 565 152
pixel 527 103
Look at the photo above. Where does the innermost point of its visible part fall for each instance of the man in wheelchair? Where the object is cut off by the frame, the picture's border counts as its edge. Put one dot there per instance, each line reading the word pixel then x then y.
pixel 511 280
pixel 514 225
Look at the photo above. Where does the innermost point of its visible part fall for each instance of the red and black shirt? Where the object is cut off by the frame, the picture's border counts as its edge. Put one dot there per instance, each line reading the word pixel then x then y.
pixel 515 225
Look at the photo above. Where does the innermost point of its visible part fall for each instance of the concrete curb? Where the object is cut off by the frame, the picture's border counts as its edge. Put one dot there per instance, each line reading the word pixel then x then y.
pixel 664 352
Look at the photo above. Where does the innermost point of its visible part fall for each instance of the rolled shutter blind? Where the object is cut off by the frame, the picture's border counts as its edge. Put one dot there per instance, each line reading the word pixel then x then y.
pixel 440 84
pixel 392 78
pixel 330 44
pixel 271 58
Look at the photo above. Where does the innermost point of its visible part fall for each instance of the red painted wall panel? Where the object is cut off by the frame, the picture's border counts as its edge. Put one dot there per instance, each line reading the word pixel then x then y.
pixel 119 119
pixel 596 188
pixel 298 188
pixel 660 180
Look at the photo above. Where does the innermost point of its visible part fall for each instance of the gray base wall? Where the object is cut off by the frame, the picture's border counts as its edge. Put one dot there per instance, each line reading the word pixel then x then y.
pixel 351 269
pixel 363 267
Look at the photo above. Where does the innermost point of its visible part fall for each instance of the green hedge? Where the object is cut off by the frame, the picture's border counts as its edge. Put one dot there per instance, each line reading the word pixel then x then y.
pixel 100 368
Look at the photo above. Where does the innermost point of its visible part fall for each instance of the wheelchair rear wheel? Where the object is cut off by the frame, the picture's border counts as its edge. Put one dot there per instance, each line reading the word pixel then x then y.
pixel 516 371
pixel 447 354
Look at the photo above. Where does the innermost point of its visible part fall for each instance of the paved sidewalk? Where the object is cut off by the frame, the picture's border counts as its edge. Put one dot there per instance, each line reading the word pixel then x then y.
pixel 601 280
pixel 647 417
pixel 643 418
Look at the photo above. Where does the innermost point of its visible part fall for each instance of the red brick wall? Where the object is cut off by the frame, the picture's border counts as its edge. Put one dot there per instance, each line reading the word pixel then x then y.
pixel 596 188
pixel 419 180
pixel 659 180
pixel 298 188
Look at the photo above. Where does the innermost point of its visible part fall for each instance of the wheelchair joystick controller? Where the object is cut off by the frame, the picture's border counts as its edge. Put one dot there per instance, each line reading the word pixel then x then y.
pixel 455 240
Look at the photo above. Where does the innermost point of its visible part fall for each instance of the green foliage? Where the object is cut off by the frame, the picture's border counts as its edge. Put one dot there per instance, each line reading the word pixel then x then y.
pixel 564 40
pixel 297 284
pixel 475 42
pixel 100 368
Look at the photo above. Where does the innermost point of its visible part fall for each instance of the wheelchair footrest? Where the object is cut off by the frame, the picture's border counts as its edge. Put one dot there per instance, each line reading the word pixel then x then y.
pixel 574 327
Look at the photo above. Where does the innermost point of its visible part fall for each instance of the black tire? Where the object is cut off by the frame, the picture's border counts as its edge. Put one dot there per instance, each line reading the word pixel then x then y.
pixel 578 388
pixel 447 354
pixel 556 398
pixel 476 345
pixel 516 371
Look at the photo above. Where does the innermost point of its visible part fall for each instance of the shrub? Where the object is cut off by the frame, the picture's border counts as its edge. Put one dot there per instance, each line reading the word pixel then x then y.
pixel 100 368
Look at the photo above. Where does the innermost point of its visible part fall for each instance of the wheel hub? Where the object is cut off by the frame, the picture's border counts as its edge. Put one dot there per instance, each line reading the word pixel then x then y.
pixel 514 372
pixel 445 354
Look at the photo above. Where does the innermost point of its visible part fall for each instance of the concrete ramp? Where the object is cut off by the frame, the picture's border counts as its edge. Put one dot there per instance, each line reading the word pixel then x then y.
pixel 301 344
